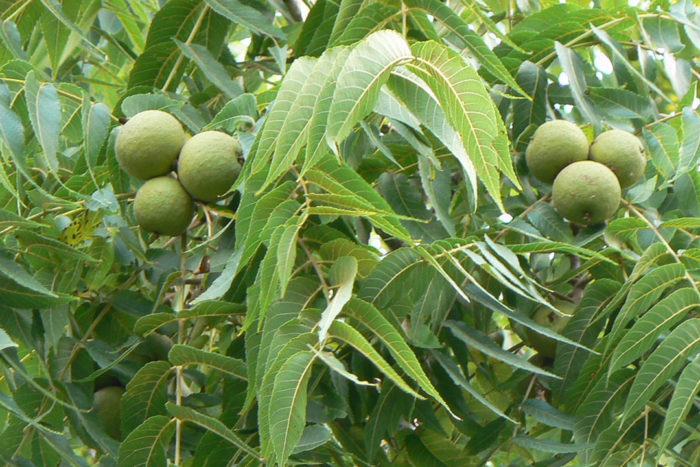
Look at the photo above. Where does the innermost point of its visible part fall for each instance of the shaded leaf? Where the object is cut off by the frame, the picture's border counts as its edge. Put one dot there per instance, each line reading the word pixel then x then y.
pixel 212 425
pixel 482 343
pixel 683 398
pixel 661 317
pixel 181 354
pixel 245 15
pixel 671 355
pixel 147 445
pixel 145 395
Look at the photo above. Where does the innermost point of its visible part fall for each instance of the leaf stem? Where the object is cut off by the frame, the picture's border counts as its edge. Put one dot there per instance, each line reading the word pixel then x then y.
pixel 661 238
pixel 180 292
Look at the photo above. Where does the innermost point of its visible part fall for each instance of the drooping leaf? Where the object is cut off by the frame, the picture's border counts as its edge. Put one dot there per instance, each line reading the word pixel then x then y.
pixel 547 445
pixel 367 68
pixel 350 335
pixel 663 145
pixel 211 68
pixel 460 93
pixel 145 395
pixel 45 115
pixel 298 74
pixel 191 21
pixel 288 406
pixel 18 296
pixel 661 317
pixel 246 16
pixel 544 413
pixel 483 344
pixel 595 413
pixel 682 400
pixel 147 445
pixel 645 293
pixel 13 271
pixel 315 144
pixel 469 39
pixel 348 189
pixel 204 309
pixel 181 354
pixel 572 64
pixel 212 425
pixel 343 273
pixel 457 376
pixel 96 121
pixel 671 355
pixel 570 360
pixel 298 341
pixel 370 18
pixel 533 80
pixel 373 320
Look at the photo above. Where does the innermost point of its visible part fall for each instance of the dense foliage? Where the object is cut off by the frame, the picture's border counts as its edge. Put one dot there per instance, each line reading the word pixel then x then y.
pixel 365 296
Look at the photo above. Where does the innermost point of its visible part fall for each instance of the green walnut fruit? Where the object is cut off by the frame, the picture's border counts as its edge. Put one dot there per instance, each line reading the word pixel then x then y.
pixel 555 145
pixel 148 144
pixel 155 346
pixel 544 316
pixel 208 164
pixel 586 192
pixel 623 153
pixel 163 206
pixel 106 407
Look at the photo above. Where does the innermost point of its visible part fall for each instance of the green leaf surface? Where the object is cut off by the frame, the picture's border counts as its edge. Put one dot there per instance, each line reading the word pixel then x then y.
pixel 645 293
pixel 572 64
pixel 343 274
pixel 145 395
pixel 18 296
pixel 546 414
pixel 367 68
pixel 147 445
pixel 662 141
pixel 645 331
pixel 161 64
pixel 241 109
pixel 5 340
pixel 671 355
pixel 548 445
pixel 371 18
pixel 96 122
pixel 315 144
pixel 204 309
pixel 684 396
pixel 181 354
pixel 289 90
pixel 468 109
pixel 45 115
pixel 288 406
pixel 621 103
pixel 468 38
pixel 596 412
pixel 484 344
pixel 211 68
pixel 212 425
pixel 13 271
pixel 352 336
pixel 246 16
pixel 457 376
pixel 373 320
pixel 296 340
